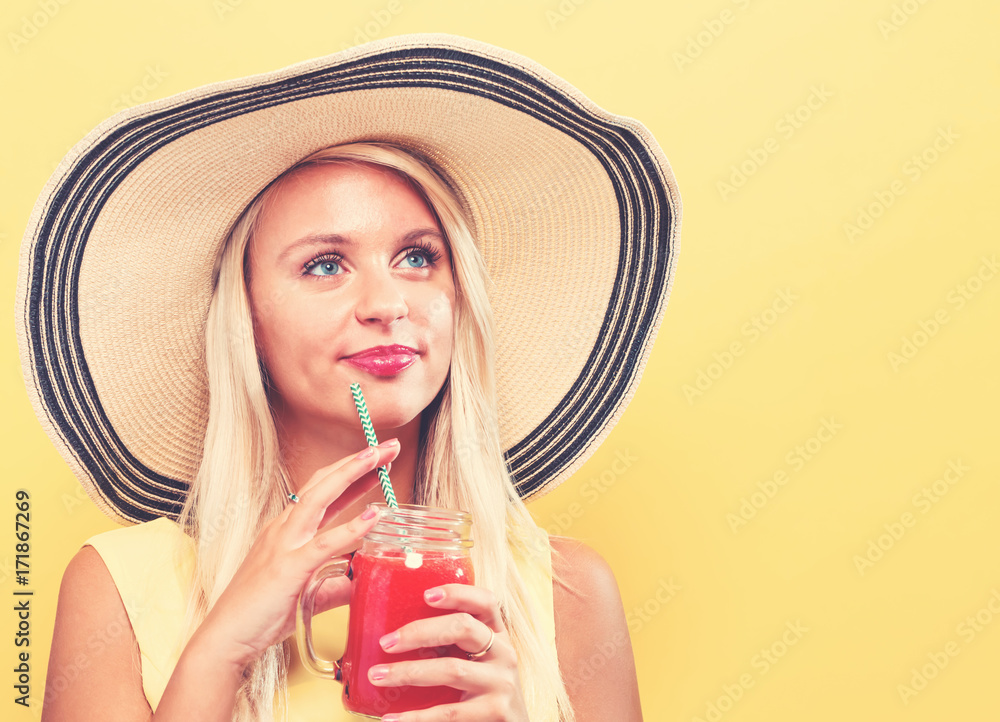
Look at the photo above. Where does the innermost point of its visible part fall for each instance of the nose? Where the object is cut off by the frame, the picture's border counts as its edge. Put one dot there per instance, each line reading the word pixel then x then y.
pixel 380 300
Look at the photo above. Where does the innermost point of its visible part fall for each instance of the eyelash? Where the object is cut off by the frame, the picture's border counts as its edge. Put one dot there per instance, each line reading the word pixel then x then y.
pixel 428 251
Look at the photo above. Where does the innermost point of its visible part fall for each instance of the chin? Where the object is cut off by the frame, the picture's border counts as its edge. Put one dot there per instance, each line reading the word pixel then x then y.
pixel 396 401
pixel 388 413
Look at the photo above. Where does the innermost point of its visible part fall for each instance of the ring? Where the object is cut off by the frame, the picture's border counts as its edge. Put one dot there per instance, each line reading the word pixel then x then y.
pixel 294 499
pixel 477 655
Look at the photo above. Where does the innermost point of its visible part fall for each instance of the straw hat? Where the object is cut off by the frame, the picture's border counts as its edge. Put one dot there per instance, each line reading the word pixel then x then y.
pixel 575 210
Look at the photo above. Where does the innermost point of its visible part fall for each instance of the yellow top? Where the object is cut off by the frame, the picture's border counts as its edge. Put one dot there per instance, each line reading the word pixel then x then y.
pixel 152 566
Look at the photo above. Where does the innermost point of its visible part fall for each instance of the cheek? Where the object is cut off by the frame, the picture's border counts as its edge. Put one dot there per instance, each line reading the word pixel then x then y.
pixel 275 327
pixel 267 304
pixel 441 316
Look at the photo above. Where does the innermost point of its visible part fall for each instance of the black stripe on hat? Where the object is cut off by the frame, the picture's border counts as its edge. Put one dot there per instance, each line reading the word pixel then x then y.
pixel 61 373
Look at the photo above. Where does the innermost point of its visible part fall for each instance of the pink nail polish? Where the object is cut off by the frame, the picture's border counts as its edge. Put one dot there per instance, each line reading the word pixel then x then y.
pixel 367 453
pixel 378 672
pixel 391 718
pixel 368 513
pixel 433 595
pixel 389 640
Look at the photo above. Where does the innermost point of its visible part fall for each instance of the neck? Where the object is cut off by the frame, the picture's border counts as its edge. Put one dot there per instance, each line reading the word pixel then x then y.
pixel 308 447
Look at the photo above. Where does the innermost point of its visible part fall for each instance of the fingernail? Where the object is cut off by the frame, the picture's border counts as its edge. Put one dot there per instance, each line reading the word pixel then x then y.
pixel 389 640
pixel 378 672
pixel 370 451
pixel 390 443
pixel 433 595
pixel 369 513
pixel 391 718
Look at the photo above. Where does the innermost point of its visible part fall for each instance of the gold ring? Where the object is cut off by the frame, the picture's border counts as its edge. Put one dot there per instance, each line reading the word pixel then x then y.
pixel 477 655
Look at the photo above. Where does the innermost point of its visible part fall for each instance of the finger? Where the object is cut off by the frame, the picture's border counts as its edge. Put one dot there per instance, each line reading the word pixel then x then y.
pixel 459 674
pixel 325 471
pixel 477 601
pixel 305 516
pixel 472 710
pixel 300 519
pixel 461 629
pixel 353 494
pixel 333 592
pixel 340 540
pixel 356 491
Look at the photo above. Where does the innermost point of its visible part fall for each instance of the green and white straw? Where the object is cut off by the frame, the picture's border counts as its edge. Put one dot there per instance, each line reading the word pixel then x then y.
pixel 366 424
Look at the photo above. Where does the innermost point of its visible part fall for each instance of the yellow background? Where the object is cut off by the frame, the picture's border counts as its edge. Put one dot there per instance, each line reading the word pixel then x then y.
pixel 885 79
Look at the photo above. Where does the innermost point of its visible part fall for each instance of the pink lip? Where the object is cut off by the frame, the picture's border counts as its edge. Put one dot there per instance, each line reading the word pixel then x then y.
pixel 383 360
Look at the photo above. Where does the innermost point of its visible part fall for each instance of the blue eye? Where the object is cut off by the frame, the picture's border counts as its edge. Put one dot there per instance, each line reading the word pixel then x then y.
pixel 323 266
pixel 416 260
pixel 421 255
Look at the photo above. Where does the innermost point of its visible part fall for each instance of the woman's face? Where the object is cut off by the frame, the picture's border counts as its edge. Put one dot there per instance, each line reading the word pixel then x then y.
pixel 351 280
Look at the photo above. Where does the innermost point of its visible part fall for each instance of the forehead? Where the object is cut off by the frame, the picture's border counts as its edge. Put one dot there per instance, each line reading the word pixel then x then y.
pixel 340 198
pixel 339 170
pixel 343 184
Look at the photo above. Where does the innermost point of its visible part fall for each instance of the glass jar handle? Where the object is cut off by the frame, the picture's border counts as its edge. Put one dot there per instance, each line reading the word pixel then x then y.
pixel 303 619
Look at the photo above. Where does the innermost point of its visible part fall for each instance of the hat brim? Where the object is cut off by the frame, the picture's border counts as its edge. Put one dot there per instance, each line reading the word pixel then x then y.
pixel 575 210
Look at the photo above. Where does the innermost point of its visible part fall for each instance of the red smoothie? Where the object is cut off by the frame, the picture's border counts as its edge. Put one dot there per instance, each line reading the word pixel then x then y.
pixel 387 593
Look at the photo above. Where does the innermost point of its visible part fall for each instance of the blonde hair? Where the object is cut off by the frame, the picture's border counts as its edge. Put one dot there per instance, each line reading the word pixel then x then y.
pixel 242 483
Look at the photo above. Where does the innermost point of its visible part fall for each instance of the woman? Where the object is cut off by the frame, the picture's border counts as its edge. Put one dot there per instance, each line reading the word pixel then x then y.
pixel 355 264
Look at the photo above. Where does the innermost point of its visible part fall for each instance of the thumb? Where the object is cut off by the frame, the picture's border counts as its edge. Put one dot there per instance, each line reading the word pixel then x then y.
pixel 333 592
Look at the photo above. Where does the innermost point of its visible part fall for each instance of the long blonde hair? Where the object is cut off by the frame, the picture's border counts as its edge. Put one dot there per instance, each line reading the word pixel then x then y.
pixel 242 482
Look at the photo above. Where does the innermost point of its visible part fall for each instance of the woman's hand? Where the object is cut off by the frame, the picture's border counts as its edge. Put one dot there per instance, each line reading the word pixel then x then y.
pixel 257 609
pixel 491 685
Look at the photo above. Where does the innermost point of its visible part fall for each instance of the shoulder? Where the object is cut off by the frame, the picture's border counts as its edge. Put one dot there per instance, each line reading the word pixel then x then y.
pixel 94 654
pixel 592 637
pixel 88 584
pixel 89 581
pixel 88 596
pixel 584 581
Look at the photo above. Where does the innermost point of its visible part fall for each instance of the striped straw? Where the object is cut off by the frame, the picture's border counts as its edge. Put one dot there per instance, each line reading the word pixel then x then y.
pixel 366 424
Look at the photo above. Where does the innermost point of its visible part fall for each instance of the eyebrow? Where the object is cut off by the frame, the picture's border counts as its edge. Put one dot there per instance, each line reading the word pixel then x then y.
pixel 326 239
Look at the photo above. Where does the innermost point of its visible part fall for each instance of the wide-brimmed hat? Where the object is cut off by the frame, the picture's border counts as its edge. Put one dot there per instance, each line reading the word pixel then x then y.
pixel 575 211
